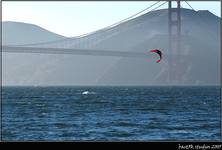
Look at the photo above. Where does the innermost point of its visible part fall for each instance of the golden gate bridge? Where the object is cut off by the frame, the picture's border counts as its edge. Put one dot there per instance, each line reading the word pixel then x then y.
pixel 82 45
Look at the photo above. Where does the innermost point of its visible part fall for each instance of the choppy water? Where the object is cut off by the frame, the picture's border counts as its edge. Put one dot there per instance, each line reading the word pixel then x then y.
pixel 111 113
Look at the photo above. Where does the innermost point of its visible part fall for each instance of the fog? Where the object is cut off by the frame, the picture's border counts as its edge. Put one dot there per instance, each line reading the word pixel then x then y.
pixel 199 58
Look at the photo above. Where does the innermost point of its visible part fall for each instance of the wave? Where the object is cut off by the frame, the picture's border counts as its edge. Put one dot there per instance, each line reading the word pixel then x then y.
pixel 87 93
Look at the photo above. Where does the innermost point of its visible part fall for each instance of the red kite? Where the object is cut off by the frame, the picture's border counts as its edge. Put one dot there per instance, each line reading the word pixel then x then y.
pixel 158 52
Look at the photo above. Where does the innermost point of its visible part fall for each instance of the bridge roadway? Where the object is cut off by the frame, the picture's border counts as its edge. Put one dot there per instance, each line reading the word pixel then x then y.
pixel 69 51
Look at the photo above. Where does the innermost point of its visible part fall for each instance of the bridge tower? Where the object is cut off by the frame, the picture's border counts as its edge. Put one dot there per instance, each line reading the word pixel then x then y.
pixel 174 36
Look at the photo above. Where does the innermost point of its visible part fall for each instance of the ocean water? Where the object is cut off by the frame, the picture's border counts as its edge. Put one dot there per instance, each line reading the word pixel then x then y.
pixel 111 113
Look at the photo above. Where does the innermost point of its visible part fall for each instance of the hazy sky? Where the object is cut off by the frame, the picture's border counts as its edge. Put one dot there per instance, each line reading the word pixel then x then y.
pixel 75 18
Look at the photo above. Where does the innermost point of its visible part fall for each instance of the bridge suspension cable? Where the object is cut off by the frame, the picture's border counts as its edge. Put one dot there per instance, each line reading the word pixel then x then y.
pixel 107 27
pixel 189 5
pixel 158 6
pixel 202 20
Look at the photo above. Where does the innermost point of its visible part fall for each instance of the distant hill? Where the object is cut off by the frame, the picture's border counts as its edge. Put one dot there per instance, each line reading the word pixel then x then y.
pixel 200 61
pixel 24 33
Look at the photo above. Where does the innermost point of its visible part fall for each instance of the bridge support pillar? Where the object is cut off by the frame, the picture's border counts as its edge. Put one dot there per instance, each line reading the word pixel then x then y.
pixel 174 46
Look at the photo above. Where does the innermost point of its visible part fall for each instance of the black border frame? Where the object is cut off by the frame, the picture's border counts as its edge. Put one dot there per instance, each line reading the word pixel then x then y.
pixel 154 143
